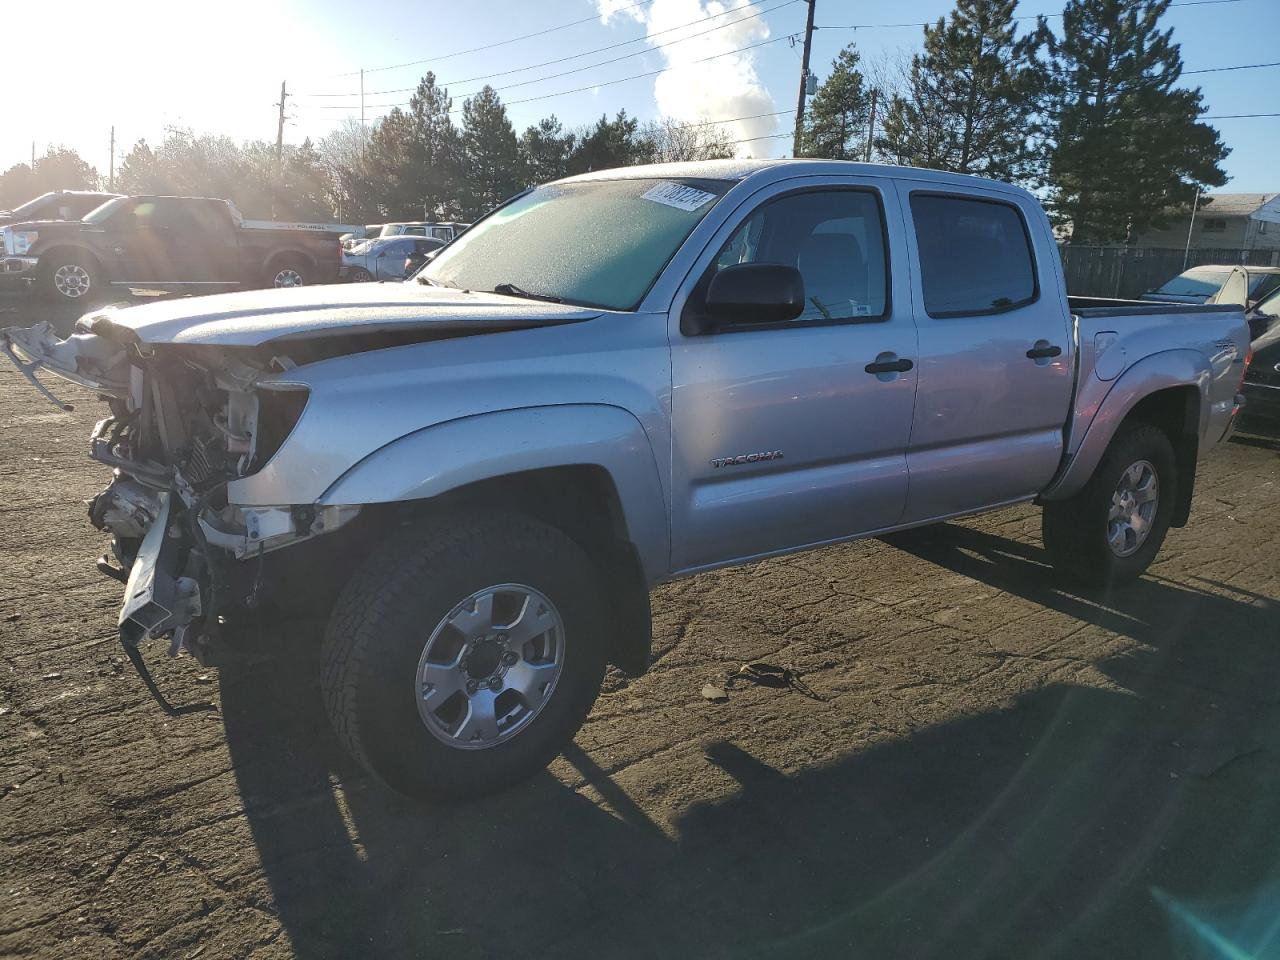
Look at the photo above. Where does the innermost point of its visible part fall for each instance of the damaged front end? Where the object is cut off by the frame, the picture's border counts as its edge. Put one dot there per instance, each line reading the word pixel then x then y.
pixel 185 421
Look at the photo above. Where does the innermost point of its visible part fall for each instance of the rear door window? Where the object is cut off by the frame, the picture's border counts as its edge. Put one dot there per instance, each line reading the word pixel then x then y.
pixel 975 255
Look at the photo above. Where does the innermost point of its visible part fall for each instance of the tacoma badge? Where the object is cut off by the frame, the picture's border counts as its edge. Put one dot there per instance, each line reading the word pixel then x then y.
pixel 746 458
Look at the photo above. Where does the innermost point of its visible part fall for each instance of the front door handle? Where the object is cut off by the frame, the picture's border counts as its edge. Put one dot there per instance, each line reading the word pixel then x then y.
pixel 884 365
pixel 1043 350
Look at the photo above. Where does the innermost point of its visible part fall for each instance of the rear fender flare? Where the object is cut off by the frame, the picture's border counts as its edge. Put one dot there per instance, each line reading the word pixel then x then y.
pixel 457 453
pixel 1173 368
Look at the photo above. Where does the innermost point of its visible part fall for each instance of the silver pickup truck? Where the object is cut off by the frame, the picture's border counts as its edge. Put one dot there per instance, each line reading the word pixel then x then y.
pixel 611 381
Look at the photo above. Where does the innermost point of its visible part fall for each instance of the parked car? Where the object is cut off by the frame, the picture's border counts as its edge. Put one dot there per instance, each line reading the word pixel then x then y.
pixel 423 250
pixel 1200 284
pixel 385 258
pixel 441 231
pixel 167 243
pixel 367 232
pixel 1262 384
pixel 616 380
pixel 56 205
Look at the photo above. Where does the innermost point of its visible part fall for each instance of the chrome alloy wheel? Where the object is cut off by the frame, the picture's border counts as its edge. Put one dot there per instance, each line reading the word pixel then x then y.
pixel 1133 508
pixel 72 281
pixel 490 666
pixel 288 277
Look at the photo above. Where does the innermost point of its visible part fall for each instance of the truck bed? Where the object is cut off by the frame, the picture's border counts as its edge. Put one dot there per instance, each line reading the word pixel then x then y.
pixel 1096 307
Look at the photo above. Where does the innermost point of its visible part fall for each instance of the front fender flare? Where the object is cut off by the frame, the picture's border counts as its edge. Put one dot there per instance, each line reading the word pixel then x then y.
pixel 456 453
pixel 1172 368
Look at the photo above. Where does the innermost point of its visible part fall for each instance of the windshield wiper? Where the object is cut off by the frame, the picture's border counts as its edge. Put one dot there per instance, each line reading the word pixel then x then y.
pixel 511 290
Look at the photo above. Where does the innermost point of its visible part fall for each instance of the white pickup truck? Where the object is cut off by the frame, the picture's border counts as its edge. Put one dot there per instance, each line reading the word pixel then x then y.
pixel 611 381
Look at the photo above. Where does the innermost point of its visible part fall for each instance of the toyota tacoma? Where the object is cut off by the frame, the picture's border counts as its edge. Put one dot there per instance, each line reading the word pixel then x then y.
pixel 612 381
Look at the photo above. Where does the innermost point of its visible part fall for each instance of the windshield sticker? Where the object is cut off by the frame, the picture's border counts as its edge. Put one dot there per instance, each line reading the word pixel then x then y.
pixel 678 195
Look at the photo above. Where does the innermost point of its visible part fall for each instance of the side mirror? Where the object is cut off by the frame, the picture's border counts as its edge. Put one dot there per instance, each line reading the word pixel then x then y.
pixel 755 293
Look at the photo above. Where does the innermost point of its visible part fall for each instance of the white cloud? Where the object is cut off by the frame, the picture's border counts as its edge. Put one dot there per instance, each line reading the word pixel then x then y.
pixel 719 89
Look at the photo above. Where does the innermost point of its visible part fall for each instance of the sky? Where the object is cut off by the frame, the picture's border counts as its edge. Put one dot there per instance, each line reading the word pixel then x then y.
pixel 146 65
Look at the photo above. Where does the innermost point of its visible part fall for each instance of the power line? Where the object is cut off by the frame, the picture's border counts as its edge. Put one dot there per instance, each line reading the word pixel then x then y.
pixel 1243 66
pixel 576 56
pixel 602 83
pixel 490 46
pixel 1240 116
pixel 1047 16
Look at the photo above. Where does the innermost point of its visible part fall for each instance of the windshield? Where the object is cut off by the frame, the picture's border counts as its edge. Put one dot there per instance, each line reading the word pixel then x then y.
pixel 32 206
pixel 1261 284
pixel 1195 283
pixel 599 243
pixel 1270 306
pixel 101 213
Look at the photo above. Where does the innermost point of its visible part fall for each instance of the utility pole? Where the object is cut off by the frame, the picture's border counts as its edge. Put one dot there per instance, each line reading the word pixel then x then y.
pixel 362 127
pixel 33 156
pixel 804 79
pixel 280 123
pixel 871 125
pixel 111 169
pixel 279 147
pixel 1186 253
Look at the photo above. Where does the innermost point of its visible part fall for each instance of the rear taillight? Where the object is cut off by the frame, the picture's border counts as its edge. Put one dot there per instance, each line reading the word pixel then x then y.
pixel 1239 399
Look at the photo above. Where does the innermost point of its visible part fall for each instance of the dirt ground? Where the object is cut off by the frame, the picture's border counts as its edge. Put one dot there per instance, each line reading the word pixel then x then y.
pixel 1002 767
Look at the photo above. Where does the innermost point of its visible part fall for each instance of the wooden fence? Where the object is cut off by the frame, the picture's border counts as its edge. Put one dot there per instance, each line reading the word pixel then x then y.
pixel 1129 272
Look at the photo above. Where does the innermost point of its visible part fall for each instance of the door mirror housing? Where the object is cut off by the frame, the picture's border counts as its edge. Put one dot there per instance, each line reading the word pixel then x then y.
pixel 755 293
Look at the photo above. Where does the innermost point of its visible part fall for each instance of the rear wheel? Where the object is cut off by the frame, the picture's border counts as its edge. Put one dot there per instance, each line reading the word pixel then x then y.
pixel 464 656
pixel 1109 532
pixel 358 275
pixel 288 272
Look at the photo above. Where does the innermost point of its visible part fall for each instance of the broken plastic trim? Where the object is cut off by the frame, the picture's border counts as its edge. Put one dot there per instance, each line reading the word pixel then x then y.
pixel 157 602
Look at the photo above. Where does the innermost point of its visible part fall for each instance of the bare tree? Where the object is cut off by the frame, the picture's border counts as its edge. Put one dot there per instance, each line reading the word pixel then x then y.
pixel 674 141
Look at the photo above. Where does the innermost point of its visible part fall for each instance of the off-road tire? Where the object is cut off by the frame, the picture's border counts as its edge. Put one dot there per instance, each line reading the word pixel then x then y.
pixel 1075 530
pixel 385 614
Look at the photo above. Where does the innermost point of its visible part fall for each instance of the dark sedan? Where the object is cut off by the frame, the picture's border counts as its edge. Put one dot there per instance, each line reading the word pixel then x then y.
pixel 1262 382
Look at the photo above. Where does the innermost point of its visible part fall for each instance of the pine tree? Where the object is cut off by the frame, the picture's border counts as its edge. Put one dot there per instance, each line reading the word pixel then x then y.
pixel 610 143
pixel 1128 145
pixel 970 97
pixel 433 153
pixel 836 125
pixel 493 166
pixel 547 148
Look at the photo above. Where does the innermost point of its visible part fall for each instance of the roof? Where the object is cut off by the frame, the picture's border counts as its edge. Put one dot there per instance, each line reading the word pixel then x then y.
pixel 784 168
pixel 1248 268
pixel 1235 204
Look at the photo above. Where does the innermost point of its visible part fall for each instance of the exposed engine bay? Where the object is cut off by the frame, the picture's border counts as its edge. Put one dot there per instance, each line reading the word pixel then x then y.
pixel 184 421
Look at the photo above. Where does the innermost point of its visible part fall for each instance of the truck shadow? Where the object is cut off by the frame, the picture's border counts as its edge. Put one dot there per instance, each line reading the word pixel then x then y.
pixel 1132 821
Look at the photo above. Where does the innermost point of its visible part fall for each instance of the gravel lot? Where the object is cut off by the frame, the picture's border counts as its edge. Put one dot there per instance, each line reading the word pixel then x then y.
pixel 1003 768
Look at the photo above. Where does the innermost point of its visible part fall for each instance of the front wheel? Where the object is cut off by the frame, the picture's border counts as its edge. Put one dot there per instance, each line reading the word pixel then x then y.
pixel 70 278
pixel 465 655
pixel 1109 532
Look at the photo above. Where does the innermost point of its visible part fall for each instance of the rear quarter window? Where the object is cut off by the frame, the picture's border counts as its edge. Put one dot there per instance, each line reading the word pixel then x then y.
pixel 975 255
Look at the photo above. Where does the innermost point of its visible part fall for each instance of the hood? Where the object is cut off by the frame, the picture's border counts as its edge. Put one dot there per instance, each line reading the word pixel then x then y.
pixel 42 225
pixel 254 318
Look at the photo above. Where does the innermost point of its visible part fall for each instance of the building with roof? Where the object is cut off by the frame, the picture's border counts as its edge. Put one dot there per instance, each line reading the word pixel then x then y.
pixel 1235 221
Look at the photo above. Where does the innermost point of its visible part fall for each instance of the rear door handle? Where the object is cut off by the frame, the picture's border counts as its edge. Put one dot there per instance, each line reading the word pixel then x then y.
pixel 1043 350
pixel 888 366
